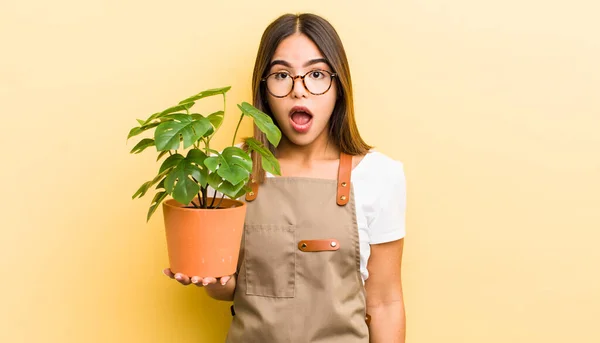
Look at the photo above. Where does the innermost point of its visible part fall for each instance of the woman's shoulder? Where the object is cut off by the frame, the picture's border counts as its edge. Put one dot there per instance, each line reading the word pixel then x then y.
pixel 375 162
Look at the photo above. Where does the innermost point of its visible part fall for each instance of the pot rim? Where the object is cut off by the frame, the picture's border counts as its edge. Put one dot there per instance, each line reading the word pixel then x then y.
pixel 172 204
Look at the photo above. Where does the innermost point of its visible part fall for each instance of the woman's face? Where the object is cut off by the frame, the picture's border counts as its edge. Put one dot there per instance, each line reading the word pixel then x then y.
pixel 302 117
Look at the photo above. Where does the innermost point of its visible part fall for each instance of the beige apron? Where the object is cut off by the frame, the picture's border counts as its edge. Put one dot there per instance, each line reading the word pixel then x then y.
pixel 299 275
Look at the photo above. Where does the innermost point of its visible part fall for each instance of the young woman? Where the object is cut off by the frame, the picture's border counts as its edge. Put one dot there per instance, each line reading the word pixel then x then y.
pixel 322 247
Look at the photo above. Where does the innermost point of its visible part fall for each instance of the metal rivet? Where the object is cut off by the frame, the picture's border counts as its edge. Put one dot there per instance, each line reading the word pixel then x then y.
pixel 343 197
pixel 251 194
pixel 303 245
pixel 333 244
pixel 344 184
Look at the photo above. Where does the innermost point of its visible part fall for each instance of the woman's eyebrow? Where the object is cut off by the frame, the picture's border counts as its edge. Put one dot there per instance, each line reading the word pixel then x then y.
pixel 315 61
pixel 280 62
pixel 287 64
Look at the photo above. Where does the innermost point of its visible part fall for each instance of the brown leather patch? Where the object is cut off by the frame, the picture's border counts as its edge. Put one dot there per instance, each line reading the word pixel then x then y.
pixel 319 245
pixel 344 174
pixel 250 196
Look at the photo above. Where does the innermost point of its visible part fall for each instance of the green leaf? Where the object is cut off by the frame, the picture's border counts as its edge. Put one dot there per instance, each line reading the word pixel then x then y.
pixel 214 180
pixel 134 132
pixel 231 190
pixel 162 153
pixel 235 165
pixel 137 130
pixel 233 173
pixel 160 185
pixel 169 134
pixel 140 121
pixel 216 119
pixel 206 93
pixel 156 201
pixel 171 162
pixel 212 163
pixel 144 188
pixel 185 192
pixel 238 156
pixel 197 157
pixel 151 118
pixel 198 116
pixel 269 162
pixel 187 175
pixel 176 108
pixel 142 145
pixel 263 122
pixel 180 184
pixel 168 111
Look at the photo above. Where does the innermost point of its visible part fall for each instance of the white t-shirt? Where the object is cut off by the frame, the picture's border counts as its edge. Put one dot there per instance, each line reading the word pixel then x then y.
pixel 380 196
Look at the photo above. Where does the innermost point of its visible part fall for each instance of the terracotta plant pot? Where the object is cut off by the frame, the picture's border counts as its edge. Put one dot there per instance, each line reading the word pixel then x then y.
pixel 204 242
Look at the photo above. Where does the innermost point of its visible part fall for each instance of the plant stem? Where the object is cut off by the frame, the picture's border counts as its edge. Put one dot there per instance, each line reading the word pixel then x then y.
pixel 204 195
pixel 220 201
pixel 236 129
pixel 199 200
pixel 213 200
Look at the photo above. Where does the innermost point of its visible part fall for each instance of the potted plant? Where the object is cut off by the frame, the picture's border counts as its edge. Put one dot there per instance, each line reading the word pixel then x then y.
pixel 203 230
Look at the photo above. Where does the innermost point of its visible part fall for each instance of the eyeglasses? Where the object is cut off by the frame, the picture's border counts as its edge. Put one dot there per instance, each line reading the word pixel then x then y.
pixel 317 82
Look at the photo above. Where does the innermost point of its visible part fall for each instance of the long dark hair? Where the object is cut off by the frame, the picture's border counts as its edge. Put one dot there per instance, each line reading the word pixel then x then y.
pixel 342 125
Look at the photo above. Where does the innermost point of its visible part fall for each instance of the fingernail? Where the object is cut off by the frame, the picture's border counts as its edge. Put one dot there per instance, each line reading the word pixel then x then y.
pixel 194 279
pixel 223 283
pixel 204 283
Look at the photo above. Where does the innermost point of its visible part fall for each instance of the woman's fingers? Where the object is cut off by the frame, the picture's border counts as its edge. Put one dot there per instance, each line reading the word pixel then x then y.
pixel 183 279
pixel 196 280
pixel 224 279
pixel 208 280
pixel 169 273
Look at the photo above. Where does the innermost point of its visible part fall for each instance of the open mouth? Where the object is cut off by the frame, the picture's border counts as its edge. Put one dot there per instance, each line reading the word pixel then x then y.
pixel 301 118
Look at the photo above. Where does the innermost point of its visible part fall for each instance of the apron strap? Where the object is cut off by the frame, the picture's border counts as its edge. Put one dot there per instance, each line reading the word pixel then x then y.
pixel 344 175
pixel 251 196
pixel 343 185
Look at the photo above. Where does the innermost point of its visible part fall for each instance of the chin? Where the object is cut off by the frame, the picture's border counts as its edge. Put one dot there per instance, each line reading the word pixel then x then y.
pixel 301 140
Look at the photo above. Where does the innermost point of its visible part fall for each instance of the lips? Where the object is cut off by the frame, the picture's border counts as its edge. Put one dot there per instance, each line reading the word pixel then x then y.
pixel 300 118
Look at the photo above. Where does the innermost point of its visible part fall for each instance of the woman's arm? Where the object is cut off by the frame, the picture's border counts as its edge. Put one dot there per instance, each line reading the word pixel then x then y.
pixel 385 303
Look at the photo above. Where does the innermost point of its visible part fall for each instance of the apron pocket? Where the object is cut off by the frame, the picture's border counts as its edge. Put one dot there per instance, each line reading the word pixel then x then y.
pixel 270 260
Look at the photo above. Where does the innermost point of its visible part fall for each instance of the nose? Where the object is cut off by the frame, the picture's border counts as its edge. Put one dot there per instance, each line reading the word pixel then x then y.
pixel 298 90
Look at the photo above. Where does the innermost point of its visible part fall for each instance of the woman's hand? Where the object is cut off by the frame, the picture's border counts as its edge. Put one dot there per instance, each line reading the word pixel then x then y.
pixel 196 280
pixel 218 288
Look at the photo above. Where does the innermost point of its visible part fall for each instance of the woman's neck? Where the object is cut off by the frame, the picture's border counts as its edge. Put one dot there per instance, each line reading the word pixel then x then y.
pixel 321 149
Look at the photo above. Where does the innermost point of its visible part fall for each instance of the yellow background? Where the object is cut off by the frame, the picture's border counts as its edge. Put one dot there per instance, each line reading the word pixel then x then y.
pixel 493 106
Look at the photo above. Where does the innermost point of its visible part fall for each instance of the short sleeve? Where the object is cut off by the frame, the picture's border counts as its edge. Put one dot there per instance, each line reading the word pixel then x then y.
pixel 389 222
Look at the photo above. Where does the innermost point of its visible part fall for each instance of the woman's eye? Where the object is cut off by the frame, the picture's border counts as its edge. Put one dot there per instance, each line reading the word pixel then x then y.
pixel 316 74
pixel 281 76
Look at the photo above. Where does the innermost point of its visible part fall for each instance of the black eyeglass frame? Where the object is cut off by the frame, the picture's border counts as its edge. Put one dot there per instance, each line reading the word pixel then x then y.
pixel 331 76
